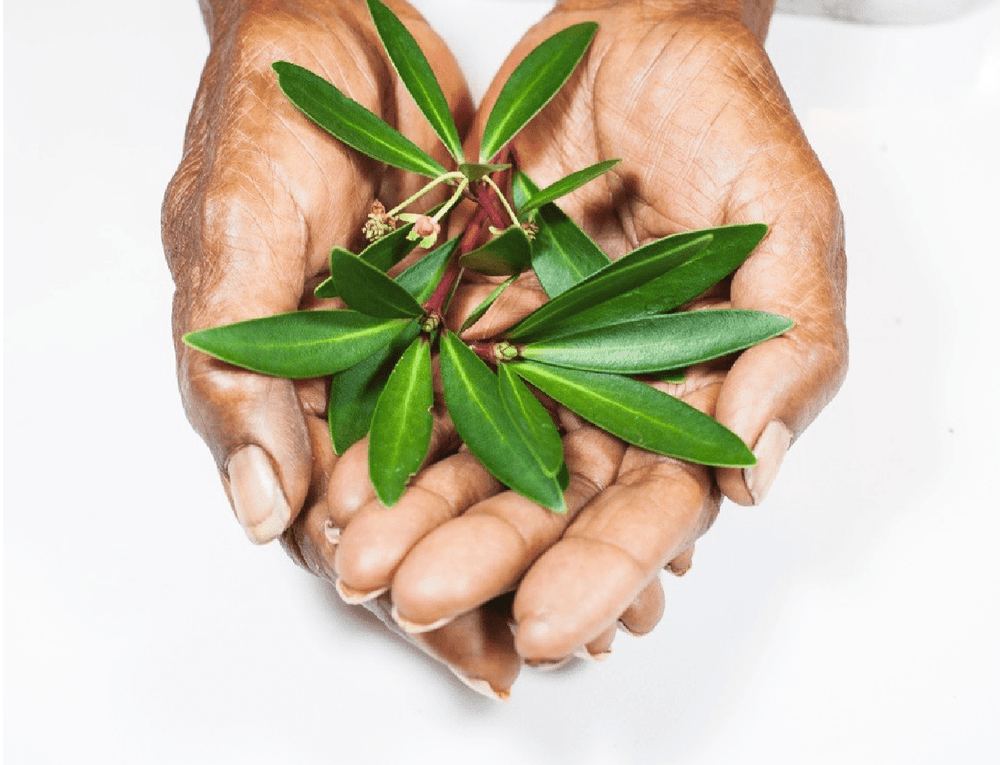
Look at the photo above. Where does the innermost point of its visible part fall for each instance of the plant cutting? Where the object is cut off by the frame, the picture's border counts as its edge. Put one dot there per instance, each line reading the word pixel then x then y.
pixel 606 322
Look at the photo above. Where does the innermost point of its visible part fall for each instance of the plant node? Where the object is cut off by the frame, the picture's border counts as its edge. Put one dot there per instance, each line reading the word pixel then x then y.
pixel 504 351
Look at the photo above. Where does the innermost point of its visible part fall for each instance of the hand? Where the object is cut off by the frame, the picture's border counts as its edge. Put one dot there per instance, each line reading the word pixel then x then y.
pixel 684 94
pixel 248 221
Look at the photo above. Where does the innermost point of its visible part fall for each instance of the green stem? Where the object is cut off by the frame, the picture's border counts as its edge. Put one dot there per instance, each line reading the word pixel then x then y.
pixel 451 202
pixel 440 179
pixel 503 199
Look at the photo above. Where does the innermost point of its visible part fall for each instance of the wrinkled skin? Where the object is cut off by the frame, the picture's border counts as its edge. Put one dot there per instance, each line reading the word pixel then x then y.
pixel 690 103
pixel 248 221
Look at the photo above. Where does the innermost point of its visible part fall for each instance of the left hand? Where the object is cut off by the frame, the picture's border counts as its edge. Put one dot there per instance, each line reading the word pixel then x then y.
pixel 689 102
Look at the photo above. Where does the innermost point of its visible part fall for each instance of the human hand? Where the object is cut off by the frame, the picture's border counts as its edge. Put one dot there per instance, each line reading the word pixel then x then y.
pixel 260 196
pixel 685 95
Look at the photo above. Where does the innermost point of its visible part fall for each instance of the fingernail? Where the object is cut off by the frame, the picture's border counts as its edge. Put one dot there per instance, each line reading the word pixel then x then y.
pixel 546 664
pixel 355 597
pixel 332 533
pixel 413 628
pixel 770 450
pixel 585 654
pixel 258 500
pixel 482 687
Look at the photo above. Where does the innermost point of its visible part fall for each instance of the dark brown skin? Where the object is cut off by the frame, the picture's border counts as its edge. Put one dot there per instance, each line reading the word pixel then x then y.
pixel 684 94
pixel 248 221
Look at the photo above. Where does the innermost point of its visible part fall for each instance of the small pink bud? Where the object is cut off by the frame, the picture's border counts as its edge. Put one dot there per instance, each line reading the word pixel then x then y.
pixel 425 226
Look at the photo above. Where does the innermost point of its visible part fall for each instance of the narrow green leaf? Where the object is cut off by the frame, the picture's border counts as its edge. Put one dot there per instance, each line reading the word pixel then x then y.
pixel 624 274
pixel 366 289
pixel 507 253
pixel 562 254
pixel 355 391
pixel 658 343
pixel 422 277
pixel 483 307
pixel 564 186
pixel 639 414
pixel 472 395
pixel 301 344
pixel 417 75
pixel 689 274
pixel 535 424
pixel 386 252
pixel 402 423
pixel 533 84
pixel 351 122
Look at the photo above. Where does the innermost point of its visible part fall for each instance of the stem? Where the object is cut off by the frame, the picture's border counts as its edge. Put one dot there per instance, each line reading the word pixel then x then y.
pixel 437 303
pixel 503 199
pixel 487 204
pixel 451 202
pixel 440 179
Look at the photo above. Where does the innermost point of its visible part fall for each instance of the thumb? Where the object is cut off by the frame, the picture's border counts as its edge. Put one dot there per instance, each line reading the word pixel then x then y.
pixel 775 390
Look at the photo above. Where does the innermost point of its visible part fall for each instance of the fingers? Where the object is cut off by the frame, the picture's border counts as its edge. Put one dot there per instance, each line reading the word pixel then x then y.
pixel 377 538
pixel 611 553
pixel 484 552
pixel 477 647
pixel 350 488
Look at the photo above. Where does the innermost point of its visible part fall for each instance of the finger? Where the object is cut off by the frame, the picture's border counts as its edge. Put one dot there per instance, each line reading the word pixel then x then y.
pixel 613 550
pixel 680 565
pixel 350 486
pixel 599 648
pixel 377 538
pixel 477 647
pixel 485 551
pixel 645 612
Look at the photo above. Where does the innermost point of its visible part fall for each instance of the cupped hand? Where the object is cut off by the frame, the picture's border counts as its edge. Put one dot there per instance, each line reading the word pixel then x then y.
pixel 260 197
pixel 249 218
pixel 685 96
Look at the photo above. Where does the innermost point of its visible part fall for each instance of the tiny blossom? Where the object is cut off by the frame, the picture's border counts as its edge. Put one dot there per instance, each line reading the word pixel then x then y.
pixel 426 226
pixel 379 223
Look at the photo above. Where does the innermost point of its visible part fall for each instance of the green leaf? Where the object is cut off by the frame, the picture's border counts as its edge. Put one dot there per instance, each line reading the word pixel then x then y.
pixel 402 423
pixel 657 343
pixel 624 274
pixel 565 185
pixel 355 391
pixel 507 253
pixel 301 344
pixel 536 426
pixel 689 274
pixel 422 277
pixel 476 171
pixel 472 395
pixel 483 307
pixel 562 254
pixel 639 414
pixel 417 75
pixel 533 84
pixel 366 289
pixel 351 122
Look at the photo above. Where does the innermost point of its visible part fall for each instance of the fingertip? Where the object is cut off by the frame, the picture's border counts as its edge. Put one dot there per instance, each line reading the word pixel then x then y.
pixel 749 486
pixel 256 494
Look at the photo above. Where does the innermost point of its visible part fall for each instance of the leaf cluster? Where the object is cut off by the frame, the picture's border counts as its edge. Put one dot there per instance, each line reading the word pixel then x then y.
pixel 605 322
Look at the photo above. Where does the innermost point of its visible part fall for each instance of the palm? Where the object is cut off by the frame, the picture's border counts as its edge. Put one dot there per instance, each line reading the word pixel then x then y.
pixel 706 138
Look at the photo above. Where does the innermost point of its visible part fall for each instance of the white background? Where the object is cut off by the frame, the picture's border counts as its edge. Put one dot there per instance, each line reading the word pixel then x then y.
pixel 851 619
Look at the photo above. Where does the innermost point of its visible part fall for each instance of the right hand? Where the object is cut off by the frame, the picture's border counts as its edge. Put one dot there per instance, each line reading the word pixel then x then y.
pixel 259 198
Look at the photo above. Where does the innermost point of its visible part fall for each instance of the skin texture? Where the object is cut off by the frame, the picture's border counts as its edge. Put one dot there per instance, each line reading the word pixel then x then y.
pixel 684 94
pixel 248 221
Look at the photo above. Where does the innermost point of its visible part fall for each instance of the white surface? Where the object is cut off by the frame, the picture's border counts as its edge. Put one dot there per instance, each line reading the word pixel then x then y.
pixel 851 619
